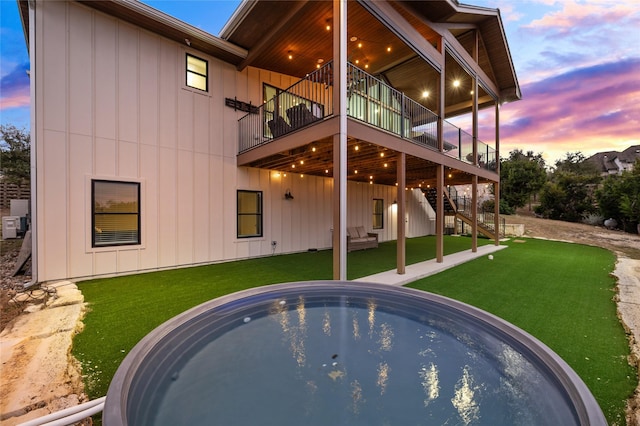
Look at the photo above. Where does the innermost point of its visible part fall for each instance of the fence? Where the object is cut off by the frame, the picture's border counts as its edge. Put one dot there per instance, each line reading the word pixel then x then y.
pixel 12 191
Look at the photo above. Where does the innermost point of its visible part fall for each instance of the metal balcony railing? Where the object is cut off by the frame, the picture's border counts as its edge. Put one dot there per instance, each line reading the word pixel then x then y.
pixel 305 102
pixel 369 100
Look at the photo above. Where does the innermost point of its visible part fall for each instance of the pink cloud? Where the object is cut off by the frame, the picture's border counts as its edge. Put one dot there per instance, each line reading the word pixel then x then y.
pixel 575 15
pixel 14 88
pixel 16 101
pixel 589 109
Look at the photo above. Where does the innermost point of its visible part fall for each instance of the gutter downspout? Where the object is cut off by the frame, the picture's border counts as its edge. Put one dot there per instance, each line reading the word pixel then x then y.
pixel 34 139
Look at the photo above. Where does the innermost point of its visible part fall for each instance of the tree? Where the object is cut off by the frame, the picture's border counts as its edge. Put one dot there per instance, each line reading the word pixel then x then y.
pixel 521 176
pixel 569 195
pixel 15 157
pixel 619 198
pixel 575 162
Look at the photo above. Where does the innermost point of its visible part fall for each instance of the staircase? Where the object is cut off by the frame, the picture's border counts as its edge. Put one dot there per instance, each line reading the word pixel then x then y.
pixel 460 208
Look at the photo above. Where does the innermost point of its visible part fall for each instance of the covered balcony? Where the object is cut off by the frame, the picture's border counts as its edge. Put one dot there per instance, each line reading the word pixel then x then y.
pixel 371 102
pixel 391 93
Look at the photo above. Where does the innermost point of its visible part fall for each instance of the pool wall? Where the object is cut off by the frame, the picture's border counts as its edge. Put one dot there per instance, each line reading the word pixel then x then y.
pixel 138 373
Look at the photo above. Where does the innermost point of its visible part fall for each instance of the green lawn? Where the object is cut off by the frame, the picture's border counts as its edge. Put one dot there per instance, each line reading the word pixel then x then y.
pixel 560 293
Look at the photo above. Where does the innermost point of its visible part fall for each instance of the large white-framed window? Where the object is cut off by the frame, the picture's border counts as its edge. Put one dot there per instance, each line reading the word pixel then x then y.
pixel 197 72
pixel 115 213
pixel 249 214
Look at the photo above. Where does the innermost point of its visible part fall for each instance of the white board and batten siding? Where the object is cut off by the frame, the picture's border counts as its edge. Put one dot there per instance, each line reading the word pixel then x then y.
pixel 111 104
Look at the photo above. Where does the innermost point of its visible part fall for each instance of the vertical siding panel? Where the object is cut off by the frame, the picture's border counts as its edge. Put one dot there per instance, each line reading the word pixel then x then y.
pixel 55 206
pixel 149 209
pixel 54 71
pixel 201 123
pixel 168 95
pixel 127 159
pixel 185 119
pixel 80 155
pixel 105 157
pixel 167 200
pixel 218 202
pixel 232 247
pixel 201 194
pixel 106 262
pixel 104 102
pixel 128 260
pixel 229 116
pixel 127 83
pixel 274 214
pixel 80 71
pixel 184 209
pixel 216 111
pixel 148 95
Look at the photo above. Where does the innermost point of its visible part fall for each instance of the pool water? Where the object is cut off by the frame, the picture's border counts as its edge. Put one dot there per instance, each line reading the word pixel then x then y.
pixel 360 356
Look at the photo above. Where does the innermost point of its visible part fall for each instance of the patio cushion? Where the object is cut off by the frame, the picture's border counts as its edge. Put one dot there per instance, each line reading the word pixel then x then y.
pixel 361 232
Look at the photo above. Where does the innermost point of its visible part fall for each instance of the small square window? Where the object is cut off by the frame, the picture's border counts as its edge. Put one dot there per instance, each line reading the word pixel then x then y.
pixel 197 72
pixel 115 213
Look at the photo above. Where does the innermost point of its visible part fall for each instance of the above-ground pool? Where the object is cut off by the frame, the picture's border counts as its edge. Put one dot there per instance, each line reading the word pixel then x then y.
pixel 343 353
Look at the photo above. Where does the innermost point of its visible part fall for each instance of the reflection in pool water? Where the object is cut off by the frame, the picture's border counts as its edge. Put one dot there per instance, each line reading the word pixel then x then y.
pixel 301 358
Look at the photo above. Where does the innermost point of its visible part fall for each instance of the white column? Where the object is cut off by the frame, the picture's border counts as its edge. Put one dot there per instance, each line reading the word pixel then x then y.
pixel 340 140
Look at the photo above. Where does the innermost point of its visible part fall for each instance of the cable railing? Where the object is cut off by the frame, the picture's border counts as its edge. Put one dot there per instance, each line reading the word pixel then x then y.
pixel 369 100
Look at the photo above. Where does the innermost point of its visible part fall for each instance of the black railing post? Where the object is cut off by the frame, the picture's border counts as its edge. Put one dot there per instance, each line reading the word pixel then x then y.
pixel 402 115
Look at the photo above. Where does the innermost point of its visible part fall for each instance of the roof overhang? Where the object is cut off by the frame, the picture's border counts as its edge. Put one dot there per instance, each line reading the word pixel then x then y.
pixel 144 16
pixel 270 30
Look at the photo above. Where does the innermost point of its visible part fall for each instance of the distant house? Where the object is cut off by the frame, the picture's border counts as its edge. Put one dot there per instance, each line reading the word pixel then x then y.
pixel 157 145
pixel 614 162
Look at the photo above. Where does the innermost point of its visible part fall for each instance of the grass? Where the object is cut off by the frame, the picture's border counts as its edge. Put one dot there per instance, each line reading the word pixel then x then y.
pixel 560 293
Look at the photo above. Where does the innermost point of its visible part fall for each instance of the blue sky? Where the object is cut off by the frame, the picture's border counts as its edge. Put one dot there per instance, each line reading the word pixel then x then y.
pixel 577 61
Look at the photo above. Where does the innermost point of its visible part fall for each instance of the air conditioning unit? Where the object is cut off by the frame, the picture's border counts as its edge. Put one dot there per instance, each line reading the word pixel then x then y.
pixel 10 226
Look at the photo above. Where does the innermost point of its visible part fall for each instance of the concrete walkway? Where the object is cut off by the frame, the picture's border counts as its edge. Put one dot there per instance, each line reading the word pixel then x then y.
pixel 430 267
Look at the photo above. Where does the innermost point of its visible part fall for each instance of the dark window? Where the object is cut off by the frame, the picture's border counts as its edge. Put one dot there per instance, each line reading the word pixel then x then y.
pixel 378 213
pixel 115 213
pixel 197 71
pixel 249 214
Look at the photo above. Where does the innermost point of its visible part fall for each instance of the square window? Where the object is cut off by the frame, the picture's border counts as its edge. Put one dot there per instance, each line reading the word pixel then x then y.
pixel 249 214
pixel 115 213
pixel 197 72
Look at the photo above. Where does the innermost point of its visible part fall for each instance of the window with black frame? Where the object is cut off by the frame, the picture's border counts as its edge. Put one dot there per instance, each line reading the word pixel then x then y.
pixel 249 214
pixel 378 213
pixel 115 213
pixel 197 73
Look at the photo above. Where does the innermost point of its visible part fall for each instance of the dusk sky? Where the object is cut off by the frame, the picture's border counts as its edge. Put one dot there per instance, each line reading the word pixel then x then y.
pixel 577 61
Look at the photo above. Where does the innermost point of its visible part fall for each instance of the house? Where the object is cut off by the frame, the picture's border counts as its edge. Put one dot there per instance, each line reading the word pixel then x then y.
pixel 157 145
pixel 614 162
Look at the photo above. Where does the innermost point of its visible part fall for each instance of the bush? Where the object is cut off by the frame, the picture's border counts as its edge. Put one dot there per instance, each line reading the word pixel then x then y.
pixel 593 219
pixel 488 206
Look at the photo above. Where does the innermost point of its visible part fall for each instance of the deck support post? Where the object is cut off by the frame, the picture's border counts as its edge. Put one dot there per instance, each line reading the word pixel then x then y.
pixel 401 257
pixel 340 141
pixel 496 185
